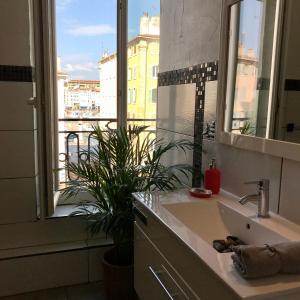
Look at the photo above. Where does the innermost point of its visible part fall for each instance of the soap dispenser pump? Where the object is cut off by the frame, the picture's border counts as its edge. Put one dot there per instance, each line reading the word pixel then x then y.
pixel 212 179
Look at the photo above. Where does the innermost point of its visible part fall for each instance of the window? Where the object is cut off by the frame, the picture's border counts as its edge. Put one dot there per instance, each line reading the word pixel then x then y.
pixel 134 73
pixel 154 71
pixel 144 40
pixel 131 97
pixel 251 64
pixel 153 95
pixel 133 100
pixel 87 67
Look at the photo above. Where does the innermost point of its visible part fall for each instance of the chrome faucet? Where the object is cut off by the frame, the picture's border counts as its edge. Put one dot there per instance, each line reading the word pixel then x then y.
pixel 262 197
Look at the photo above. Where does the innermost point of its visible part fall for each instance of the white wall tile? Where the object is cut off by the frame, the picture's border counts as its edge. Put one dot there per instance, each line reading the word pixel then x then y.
pixel 17 115
pixel 238 166
pixel 190 33
pixel 44 271
pixel 176 157
pixel 210 108
pixel 290 191
pixel 17 156
pixel 43 232
pixel 176 108
pixel 15 33
pixel 17 200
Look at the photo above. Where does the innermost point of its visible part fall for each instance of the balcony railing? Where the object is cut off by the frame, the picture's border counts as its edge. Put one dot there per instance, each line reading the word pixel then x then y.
pixel 76 139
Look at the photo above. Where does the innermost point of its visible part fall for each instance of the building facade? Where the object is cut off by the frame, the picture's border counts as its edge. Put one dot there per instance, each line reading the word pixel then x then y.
pixel 143 67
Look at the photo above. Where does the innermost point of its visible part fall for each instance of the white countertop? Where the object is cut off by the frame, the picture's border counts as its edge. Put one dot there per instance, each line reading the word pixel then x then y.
pixel 278 286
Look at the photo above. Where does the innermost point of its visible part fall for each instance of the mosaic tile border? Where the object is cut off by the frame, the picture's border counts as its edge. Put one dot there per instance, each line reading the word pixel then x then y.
pixel 198 74
pixel 16 73
pixel 292 85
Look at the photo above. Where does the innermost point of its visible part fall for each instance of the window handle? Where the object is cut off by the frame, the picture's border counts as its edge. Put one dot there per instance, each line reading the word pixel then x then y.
pixel 32 101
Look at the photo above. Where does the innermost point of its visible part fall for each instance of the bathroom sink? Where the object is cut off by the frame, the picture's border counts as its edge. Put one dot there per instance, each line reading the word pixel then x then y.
pixel 249 228
pixel 212 220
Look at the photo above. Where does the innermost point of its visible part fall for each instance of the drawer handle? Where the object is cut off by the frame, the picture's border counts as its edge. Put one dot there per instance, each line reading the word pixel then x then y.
pixel 164 270
pixel 140 215
pixel 155 274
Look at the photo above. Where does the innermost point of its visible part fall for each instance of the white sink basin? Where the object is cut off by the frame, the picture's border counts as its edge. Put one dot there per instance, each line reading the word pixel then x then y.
pixel 202 217
pixel 249 229
pixel 212 220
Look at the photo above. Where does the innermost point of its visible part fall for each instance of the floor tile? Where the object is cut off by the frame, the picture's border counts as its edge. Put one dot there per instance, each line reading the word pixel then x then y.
pixel 52 294
pixel 93 291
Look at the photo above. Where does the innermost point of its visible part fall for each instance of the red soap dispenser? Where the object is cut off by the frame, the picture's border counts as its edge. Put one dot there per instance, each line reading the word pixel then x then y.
pixel 212 179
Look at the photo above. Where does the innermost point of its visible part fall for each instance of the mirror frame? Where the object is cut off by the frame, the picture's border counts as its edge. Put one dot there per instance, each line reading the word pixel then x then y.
pixel 273 147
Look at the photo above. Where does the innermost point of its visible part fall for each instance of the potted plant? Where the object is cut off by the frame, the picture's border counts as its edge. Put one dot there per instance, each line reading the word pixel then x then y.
pixel 123 161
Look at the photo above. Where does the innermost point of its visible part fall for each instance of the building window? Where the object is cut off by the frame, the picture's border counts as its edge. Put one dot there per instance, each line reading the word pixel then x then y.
pixel 129 74
pixel 153 95
pixel 154 71
pixel 129 98
pixel 134 73
pixel 133 96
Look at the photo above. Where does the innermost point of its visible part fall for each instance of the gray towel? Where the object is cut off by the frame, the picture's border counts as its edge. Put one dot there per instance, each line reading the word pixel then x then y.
pixel 254 262
pixel 289 253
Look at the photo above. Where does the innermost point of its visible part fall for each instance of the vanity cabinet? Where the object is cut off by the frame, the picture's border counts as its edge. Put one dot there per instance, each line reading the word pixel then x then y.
pixel 165 268
pixel 154 276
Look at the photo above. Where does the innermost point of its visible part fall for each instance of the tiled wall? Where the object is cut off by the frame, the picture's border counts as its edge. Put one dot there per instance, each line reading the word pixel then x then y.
pixel 20 229
pixel 192 39
pixel 185 61
pixel 181 104
pixel 18 169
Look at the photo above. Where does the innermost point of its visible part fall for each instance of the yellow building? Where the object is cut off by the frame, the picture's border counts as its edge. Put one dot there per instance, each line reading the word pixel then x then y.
pixel 143 62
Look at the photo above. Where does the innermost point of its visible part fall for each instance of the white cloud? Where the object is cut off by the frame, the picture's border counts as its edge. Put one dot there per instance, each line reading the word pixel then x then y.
pixel 91 30
pixel 62 4
pixel 80 66
pixel 85 67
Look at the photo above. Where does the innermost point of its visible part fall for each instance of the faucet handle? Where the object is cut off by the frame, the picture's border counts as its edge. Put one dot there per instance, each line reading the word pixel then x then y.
pixel 252 182
pixel 261 183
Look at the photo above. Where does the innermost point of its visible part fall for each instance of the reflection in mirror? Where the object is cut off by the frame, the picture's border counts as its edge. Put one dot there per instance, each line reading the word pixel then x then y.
pixel 288 113
pixel 250 65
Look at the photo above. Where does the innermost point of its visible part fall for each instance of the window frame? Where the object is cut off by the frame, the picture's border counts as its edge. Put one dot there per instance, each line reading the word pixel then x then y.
pixel 46 90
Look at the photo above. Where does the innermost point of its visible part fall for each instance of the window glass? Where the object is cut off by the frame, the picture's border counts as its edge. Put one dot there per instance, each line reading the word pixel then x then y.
pixel 86 42
pixel 254 52
pixel 143 60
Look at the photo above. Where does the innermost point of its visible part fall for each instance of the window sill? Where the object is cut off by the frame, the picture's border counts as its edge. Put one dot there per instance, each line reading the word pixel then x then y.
pixel 63 211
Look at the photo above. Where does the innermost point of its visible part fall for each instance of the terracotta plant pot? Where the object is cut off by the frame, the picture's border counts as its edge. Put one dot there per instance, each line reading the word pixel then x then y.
pixel 118 280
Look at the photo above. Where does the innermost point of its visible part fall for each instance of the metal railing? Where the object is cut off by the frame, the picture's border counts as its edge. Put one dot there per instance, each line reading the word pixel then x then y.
pixel 76 142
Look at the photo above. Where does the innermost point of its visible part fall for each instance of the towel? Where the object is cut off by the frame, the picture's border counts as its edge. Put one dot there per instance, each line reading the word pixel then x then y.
pixel 253 261
pixel 289 253
pixel 225 246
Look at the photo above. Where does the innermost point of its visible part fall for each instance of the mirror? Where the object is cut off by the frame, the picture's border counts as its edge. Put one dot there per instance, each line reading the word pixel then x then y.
pixel 263 70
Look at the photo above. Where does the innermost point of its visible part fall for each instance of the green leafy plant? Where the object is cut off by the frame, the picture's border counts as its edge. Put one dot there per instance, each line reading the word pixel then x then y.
pixel 247 129
pixel 123 162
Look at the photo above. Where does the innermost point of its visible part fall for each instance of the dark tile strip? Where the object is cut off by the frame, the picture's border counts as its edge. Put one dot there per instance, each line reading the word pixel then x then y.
pixel 198 74
pixel 292 85
pixel 16 73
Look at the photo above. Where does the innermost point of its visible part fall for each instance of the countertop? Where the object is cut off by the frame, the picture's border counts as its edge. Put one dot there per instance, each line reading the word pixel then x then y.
pixel 277 287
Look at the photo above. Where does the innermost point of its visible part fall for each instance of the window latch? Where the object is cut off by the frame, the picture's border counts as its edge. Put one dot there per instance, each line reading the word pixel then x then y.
pixel 32 101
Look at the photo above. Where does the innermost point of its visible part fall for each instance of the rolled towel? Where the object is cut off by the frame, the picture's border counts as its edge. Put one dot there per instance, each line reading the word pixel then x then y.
pixel 253 261
pixel 289 253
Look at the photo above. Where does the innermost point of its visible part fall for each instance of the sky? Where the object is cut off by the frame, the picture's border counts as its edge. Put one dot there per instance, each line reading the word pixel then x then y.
pixel 250 19
pixel 85 29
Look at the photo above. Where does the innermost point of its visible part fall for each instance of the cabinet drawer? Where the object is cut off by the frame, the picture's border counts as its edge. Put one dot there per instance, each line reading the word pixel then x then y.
pixel 199 277
pixel 154 277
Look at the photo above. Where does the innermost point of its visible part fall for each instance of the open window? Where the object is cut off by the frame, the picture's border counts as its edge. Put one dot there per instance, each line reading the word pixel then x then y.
pixel 99 64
